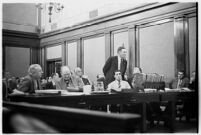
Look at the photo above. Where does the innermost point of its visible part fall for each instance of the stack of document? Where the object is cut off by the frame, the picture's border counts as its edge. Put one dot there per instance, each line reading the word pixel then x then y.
pixel 149 90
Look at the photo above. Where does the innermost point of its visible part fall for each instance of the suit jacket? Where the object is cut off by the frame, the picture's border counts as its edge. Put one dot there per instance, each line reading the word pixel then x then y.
pixel 184 83
pixel 11 85
pixel 111 66
pixel 136 81
pixel 74 83
pixel 85 81
pixel 27 85
pixel 49 85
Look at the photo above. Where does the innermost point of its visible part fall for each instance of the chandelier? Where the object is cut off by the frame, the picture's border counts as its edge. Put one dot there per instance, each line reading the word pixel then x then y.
pixel 56 7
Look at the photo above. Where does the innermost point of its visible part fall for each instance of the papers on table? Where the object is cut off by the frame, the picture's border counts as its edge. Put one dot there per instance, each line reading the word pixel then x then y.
pixel 150 90
pixel 178 90
pixel 17 92
pixel 62 92
pixel 49 91
pixel 72 93
pixel 100 92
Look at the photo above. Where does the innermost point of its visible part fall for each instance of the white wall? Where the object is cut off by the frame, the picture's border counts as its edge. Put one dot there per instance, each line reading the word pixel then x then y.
pixel 157 50
pixel 94 56
pixel 17 61
pixel 77 11
pixel 54 52
pixel 20 17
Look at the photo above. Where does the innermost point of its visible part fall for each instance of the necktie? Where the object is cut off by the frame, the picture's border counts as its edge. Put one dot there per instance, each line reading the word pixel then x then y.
pixel 119 84
pixel 67 83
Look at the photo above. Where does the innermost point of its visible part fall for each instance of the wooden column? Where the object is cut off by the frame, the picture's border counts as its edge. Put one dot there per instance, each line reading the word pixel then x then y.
pixel 137 47
pixel 45 61
pixel 63 51
pixel 132 49
pixel 181 45
pixel 34 55
pixel 4 57
pixel 80 54
pixel 107 45
pixel 42 58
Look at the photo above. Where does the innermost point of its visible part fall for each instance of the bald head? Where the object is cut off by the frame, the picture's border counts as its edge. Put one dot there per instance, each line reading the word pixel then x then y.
pixel 78 71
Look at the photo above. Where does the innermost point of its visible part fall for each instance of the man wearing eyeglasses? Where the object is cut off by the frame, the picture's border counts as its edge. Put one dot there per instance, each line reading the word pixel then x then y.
pixel 118 84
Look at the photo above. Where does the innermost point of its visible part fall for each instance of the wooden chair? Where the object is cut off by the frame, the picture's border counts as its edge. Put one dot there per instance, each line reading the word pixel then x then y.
pixel 71 120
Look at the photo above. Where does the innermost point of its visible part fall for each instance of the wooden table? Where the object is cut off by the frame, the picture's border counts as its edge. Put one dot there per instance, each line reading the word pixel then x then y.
pixel 81 101
pixel 172 98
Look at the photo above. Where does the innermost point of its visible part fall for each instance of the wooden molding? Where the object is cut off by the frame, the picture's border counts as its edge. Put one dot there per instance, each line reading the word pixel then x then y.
pixel 20 39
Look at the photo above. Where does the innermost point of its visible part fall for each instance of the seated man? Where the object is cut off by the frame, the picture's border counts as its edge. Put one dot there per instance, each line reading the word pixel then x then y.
pixel 79 74
pixel 68 81
pixel 118 84
pixel 51 84
pixel 31 82
pixel 180 82
pixel 101 78
pixel 193 82
pixel 136 80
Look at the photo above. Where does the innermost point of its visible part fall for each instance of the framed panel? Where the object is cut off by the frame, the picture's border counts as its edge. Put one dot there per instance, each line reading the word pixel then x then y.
pixel 156 45
pixel 71 50
pixel 17 60
pixel 94 56
pixel 54 52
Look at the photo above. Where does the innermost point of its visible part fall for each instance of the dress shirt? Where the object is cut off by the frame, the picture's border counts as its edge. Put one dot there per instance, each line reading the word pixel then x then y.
pixel 119 62
pixel 35 85
pixel 118 86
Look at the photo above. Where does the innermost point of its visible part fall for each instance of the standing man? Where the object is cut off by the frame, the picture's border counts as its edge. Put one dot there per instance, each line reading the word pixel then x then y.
pixel 115 63
pixel 31 82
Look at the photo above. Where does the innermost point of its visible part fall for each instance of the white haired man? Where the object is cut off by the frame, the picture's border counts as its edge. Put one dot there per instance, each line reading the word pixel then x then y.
pixel 68 81
pixel 31 82
pixel 79 76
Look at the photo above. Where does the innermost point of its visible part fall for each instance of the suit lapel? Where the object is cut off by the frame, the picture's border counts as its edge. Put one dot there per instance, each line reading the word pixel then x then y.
pixel 116 62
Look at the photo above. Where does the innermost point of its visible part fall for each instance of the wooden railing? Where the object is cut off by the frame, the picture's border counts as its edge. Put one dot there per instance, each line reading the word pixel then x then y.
pixel 71 120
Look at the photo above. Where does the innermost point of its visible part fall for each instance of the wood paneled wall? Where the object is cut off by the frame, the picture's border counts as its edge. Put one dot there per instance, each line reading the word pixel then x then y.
pixel 23 40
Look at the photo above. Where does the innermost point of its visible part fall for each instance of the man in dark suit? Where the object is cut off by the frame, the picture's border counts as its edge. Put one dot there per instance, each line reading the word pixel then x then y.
pixel 115 63
pixel 31 82
pixel 51 83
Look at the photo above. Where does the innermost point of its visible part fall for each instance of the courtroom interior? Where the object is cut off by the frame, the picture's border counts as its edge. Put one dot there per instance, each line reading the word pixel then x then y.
pixel 98 66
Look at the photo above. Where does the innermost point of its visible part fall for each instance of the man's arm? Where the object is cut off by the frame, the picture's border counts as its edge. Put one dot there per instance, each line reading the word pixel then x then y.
pixel 128 85
pixel 25 86
pixel 58 86
pixel 186 82
pixel 107 65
